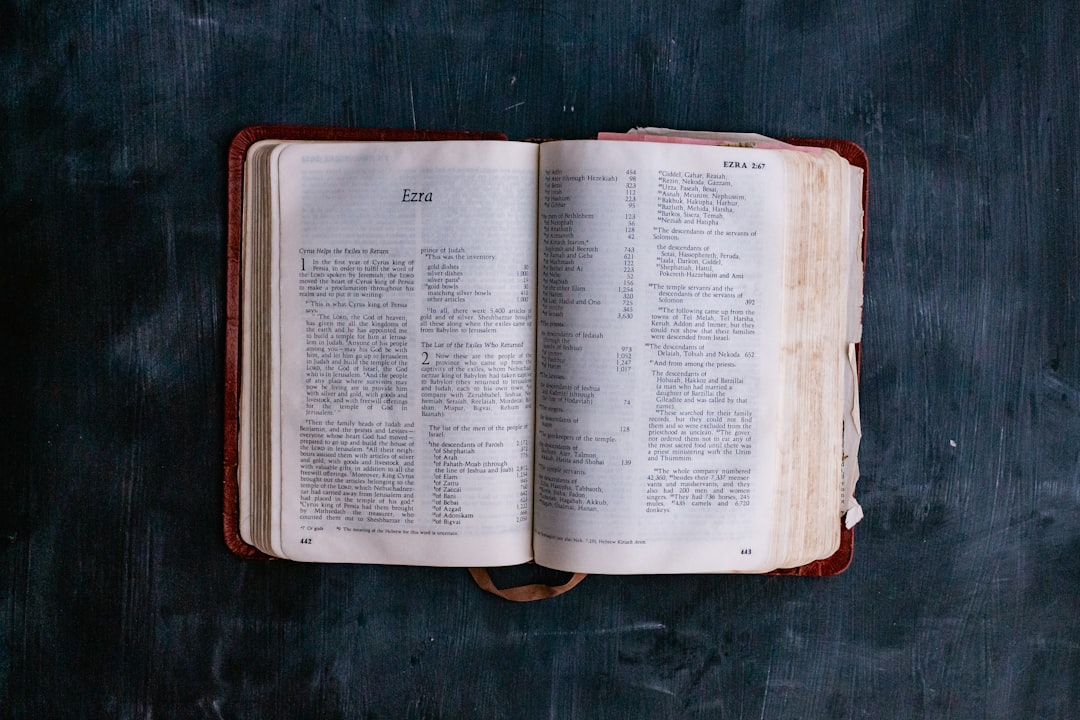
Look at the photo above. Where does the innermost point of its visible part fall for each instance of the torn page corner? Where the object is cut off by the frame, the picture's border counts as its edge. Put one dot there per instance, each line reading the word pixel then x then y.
pixel 853 515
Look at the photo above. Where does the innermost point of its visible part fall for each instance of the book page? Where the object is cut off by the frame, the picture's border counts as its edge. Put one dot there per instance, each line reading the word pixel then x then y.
pixel 253 485
pixel 658 342
pixel 406 274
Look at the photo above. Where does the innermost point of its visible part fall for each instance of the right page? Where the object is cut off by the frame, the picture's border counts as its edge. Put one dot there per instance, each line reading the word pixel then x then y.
pixel 659 378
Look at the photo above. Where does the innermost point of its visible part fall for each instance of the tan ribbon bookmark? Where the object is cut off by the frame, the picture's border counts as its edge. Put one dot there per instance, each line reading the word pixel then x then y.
pixel 523 593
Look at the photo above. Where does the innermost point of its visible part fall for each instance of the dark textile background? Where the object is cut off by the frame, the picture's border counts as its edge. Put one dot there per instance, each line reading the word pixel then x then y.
pixel 118 597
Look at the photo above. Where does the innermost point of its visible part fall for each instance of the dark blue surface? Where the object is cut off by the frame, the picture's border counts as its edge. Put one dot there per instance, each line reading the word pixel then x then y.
pixel 118 597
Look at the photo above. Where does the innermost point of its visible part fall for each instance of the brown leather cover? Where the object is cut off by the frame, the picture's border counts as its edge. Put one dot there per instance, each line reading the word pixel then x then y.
pixel 233 322
pixel 832 565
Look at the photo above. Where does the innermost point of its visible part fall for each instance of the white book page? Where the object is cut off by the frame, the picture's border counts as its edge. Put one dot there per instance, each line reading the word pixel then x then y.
pixel 407 276
pixel 660 285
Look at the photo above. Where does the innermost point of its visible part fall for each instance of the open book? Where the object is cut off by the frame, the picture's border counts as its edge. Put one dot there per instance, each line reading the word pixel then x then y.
pixel 634 354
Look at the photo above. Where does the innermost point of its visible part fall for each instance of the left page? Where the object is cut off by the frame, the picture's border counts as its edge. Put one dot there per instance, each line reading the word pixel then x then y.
pixel 404 296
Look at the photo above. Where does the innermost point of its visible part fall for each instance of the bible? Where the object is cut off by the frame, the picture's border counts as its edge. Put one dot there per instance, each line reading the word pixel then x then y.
pixel 632 354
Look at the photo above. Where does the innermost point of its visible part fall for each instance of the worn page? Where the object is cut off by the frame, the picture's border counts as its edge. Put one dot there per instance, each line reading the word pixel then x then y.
pixel 406 274
pixel 255 379
pixel 658 342
pixel 852 422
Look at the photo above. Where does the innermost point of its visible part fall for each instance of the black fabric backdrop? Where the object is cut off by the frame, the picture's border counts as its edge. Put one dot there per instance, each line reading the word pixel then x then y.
pixel 118 597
